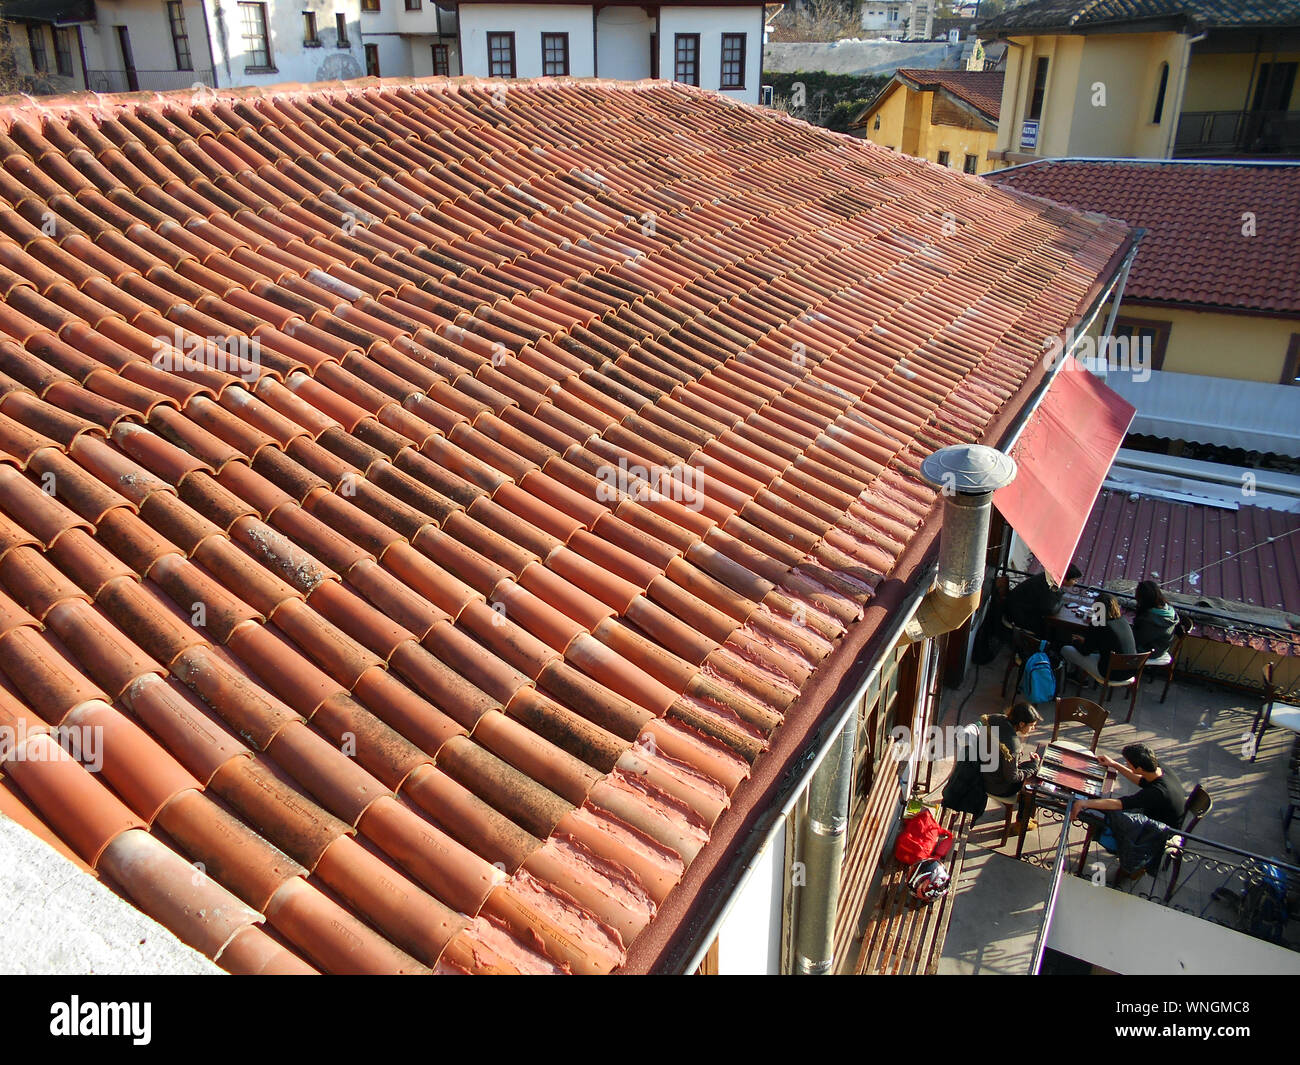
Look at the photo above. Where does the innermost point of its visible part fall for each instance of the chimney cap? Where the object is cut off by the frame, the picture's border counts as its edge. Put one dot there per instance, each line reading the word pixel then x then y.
pixel 969 469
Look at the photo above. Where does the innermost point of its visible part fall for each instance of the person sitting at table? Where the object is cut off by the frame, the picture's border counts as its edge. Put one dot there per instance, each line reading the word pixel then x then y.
pixel 1160 797
pixel 1114 637
pixel 1031 602
pixel 1004 772
pixel 1156 621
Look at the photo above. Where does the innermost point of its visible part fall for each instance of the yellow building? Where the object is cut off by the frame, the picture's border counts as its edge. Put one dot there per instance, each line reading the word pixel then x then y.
pixel 1188 78
pixel 1212 299
pixel 947 116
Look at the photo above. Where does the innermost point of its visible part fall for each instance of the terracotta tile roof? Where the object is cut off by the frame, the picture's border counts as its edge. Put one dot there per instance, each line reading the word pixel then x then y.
pixel 1042 15
pixel 982 89
pixel 361 568
pixel 1201 257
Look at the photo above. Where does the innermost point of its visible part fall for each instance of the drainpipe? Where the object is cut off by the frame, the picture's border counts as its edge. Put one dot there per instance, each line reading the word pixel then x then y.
pixel 824 832
pixel 967 475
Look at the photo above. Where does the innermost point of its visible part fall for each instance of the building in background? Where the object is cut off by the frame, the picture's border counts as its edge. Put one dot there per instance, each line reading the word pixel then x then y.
pixel 947 116
pixel 159 45
pixel 1157 80
pixel 411 38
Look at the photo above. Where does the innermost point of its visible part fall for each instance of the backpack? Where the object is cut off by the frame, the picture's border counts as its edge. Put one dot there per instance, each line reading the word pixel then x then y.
pixel 1038 685
pixel 1263 910
pixel 920 838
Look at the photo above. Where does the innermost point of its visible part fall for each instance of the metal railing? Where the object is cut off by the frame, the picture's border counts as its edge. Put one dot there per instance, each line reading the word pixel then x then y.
pixel 1265 132
pixel 1231 887
pixel 147 80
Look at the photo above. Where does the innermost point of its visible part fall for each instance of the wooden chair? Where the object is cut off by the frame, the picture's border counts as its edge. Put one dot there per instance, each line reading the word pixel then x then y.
pixel 1121 664
pixel 1168 661
pixel 1197 806
pixel 1084 711
pixel 1023 644
pixel 1272 712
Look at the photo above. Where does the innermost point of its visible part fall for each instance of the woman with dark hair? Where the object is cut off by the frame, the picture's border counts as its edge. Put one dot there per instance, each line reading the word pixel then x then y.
pixel 1114 637
pixel 1003 771
pixel 1156 622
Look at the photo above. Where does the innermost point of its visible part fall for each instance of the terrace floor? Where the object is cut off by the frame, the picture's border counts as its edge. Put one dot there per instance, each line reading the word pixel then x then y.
pixel 1198 732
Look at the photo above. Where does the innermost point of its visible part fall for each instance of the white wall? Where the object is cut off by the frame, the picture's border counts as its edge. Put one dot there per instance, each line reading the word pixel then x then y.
pixel 405 39
pixel 151 44
pixel 527 22
pixel 749 941
pixel 291 61
pixel 623 43
pixel 711 23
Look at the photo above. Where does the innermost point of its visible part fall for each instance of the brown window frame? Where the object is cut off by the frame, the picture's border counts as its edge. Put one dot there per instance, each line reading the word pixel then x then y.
pixel 180 35
pixel 971 164
pixel 64 64
pixel 341 30
pixel 371 53
pixel 548 42
pixel 507 36
pixel 1038 89
pixel 1291 367
pixel 264 36
pixel 441 57
pixel 730 40
pixel 1159 343
pixel 943 159
pixel 692 39
pixel 36 47
pixel 310 31
pixel 370 5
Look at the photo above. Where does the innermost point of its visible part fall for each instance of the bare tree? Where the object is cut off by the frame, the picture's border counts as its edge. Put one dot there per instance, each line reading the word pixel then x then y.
pixel 818 20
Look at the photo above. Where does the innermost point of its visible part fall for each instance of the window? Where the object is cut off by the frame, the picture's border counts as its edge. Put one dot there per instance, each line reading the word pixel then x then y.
pixel 501 55
pixel 733 61
pixel 654 55
pixel 63 41
pixel 687 58
pixel 1160 94
pixel 1146 343
pixel 555 55
pixel 943 158
pixel 372 60
pixel 876 125
pixel 971 165
pixel 1291 368
pixel 341 30
pixel 1040 89
pixel 441 61
pixel 257 46
pixel 413 5
pixel 1274 87
pixel 369 5
pixel 310 35
pixel 36 43
pixel 180 36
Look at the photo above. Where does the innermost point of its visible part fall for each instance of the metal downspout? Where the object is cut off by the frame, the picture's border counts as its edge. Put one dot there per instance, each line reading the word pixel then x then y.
pixel 825 833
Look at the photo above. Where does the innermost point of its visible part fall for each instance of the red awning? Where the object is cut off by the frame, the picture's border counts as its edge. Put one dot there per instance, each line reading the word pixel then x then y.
pixel 1063 456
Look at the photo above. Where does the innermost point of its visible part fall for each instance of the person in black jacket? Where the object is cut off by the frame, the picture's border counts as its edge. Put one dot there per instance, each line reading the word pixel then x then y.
pixel 1114 637
pixel 1031 602
pixel 1156 621
pixel 1003 771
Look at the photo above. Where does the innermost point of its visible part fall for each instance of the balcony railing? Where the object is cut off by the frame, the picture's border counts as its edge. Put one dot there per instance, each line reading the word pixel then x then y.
pixel 1251 132
pixel 146 80
pixel 1229 886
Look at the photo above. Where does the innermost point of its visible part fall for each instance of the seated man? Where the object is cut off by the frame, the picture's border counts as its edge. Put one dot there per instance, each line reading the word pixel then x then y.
pixel 1160 798
pixel 1115 637
pixel 1031 602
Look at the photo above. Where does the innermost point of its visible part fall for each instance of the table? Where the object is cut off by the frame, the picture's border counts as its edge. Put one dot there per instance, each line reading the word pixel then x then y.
pixel 1035 795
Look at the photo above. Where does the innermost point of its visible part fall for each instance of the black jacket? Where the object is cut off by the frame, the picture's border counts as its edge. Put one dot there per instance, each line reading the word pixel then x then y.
pixel 1031 602
pixel 1005 773
pixel 1115 637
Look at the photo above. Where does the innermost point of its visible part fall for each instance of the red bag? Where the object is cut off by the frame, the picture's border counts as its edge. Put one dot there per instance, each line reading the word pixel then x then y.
pixel 921 837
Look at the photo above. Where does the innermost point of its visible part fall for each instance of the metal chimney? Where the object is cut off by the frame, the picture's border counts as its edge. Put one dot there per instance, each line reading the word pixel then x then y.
pixel 967 475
